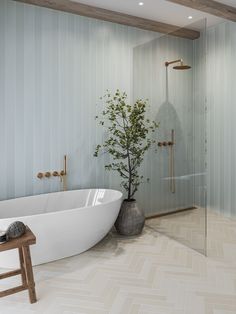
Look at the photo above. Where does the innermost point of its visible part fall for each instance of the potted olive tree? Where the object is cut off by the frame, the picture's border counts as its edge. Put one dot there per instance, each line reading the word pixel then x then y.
pixel 128 140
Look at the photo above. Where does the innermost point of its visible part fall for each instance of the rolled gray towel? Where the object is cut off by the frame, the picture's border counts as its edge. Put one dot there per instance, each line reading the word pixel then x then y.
pixel 16 229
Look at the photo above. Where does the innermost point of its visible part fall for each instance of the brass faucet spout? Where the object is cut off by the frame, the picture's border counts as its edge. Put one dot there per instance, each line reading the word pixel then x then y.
pixel 65 165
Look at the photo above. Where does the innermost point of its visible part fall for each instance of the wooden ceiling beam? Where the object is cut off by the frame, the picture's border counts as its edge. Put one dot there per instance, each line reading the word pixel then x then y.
pixel 210 6
pixel 114 17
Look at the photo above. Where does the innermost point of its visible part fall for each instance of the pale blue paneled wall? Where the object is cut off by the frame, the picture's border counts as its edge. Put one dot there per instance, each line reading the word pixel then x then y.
pixel 221 90
pixel 199 120
pixel 170 95
pixel 54 67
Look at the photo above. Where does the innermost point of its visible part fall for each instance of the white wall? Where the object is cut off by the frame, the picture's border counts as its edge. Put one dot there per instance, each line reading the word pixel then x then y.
pixel 221 88
pixel 54 67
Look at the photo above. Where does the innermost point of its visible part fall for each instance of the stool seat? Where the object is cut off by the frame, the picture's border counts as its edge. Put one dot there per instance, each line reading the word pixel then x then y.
pixel 22 244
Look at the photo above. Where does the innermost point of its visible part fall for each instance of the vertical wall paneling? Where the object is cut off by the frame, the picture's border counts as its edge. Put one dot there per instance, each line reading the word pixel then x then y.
pixel 3 165
pixel 199 120
pixel 170 95
pixel 54 67
pixel 221 94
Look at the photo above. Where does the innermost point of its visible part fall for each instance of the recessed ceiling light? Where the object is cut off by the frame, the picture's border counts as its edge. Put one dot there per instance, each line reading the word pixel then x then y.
pixel 140 3
pixel 190 17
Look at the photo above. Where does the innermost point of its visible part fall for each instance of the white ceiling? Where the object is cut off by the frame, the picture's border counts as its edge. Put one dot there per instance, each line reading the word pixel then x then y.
pixel 159 10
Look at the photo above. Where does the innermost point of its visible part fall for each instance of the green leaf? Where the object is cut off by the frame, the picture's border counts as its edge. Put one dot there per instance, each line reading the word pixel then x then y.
pixel 129 137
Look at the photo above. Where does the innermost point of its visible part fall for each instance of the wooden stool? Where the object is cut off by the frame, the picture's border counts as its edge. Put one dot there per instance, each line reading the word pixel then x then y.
pixel 22 244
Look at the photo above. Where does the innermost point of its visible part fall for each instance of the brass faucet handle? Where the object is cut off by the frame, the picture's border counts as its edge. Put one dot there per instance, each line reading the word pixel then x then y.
pixel 40 175
pixel 62 173
pixel 47 174
pixel 55 173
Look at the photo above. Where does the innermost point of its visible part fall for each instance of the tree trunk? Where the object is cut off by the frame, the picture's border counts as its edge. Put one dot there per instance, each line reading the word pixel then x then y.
pixel 130 175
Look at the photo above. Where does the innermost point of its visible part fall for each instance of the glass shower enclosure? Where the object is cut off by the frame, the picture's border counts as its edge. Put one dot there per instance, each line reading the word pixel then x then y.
pixel 170 72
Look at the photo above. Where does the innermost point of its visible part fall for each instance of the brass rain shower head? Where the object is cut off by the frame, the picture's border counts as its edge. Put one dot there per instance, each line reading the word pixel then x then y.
pixel 181 66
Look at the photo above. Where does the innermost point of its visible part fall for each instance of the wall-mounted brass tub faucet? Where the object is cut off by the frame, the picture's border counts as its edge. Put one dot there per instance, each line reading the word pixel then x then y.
pixel 61 174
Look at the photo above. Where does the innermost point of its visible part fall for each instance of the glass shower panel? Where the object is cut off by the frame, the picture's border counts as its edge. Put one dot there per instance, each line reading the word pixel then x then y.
pixel 175 199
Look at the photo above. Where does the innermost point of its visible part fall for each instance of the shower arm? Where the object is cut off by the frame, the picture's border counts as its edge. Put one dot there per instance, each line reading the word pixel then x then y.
pixel 171 62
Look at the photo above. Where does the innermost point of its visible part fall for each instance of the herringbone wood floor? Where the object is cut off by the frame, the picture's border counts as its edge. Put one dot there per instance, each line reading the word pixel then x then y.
pixel 150 274
pixel 187 227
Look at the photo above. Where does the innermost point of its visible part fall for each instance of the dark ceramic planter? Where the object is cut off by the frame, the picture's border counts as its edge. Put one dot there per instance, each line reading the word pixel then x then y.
pixel 130 220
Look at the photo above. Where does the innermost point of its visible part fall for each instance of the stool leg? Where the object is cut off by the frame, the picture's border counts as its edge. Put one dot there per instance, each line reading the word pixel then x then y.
pixel 22 267
pixel 29 274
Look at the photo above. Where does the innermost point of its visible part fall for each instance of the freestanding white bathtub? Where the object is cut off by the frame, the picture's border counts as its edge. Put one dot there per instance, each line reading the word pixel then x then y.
pixel 65 223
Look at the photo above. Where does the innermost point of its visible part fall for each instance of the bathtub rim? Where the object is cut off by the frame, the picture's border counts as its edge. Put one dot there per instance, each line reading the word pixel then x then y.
pixel 64 210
